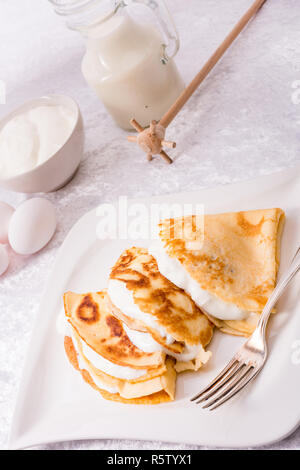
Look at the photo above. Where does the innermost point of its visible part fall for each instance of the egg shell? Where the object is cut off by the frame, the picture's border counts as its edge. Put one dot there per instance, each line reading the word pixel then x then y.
pixel 4 259
pixel 6 211
pixel 32 226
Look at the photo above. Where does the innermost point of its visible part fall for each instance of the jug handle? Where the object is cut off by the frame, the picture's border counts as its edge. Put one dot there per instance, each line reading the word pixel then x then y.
pixel 165 20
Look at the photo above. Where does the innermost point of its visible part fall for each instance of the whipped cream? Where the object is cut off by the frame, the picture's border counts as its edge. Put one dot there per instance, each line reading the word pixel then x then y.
pixel 32 137
pixel 83 365
pixel 146 343
pixel 173 270
pixel 142 341
pixel 63 327
pixel 120 372
pixel 122 298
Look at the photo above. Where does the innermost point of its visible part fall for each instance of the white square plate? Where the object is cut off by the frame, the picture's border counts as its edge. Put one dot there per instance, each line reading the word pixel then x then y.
pixel 54 404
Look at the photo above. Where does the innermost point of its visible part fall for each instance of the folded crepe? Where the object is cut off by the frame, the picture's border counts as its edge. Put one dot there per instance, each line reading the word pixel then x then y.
pixel 99 347
pixel 158 315
pixel 228 265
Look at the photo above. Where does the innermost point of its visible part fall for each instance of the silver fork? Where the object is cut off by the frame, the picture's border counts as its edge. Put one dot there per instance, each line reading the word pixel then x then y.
pixel 249 360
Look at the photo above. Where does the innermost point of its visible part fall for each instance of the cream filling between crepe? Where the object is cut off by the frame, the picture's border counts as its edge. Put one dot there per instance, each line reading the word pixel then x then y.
pixel 173 270
pixel 64 328
pixel 99 362
pixel 83 365
pixel 123 299
pixel 146 343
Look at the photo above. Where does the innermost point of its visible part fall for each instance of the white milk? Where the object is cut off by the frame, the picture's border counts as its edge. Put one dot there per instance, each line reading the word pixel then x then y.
pixel 123 65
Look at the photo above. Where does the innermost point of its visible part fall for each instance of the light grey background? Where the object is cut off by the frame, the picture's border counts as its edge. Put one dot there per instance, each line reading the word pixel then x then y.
pixel 241 123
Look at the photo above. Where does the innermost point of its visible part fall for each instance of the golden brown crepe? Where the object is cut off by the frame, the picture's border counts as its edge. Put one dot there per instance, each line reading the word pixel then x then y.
pixel 108 379
pixel 94 326
pixel 158 390
pixel 243 327
pixel 172 308
pixel 104 333
pixel 134 324
pixel 237 260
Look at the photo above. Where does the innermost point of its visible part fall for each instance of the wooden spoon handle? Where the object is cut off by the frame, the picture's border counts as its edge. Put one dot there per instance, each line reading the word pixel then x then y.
pixel 189 90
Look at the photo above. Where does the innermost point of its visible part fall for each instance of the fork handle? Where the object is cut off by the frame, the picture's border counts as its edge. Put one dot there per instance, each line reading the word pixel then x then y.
pixel 280 287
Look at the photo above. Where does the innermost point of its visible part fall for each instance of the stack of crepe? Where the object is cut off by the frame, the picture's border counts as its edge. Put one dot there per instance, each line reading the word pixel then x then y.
pixel 158 312
pixel 100 348
pixel 130 341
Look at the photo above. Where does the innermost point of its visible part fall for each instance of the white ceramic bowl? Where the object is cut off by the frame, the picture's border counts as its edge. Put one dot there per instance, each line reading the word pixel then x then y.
pixel 59 169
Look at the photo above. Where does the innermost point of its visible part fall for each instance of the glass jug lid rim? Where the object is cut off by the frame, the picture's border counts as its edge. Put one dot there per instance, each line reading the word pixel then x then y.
pixel 70 7
pixel 82 14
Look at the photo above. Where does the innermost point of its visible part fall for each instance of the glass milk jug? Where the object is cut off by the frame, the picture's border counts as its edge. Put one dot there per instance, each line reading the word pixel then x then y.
pixel 127 61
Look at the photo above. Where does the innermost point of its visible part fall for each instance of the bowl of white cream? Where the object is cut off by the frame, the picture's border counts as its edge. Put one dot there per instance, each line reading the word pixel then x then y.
pixel 41 144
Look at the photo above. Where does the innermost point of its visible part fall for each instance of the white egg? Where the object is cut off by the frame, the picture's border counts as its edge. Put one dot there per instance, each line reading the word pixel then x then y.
pixel 4 259
pixel 6 211
pixel 32 226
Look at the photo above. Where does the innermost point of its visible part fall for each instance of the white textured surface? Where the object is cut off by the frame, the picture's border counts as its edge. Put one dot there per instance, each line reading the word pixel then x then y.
pixel 241 123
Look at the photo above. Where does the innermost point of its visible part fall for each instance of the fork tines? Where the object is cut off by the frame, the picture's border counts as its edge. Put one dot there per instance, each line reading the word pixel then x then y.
pixel 230 381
